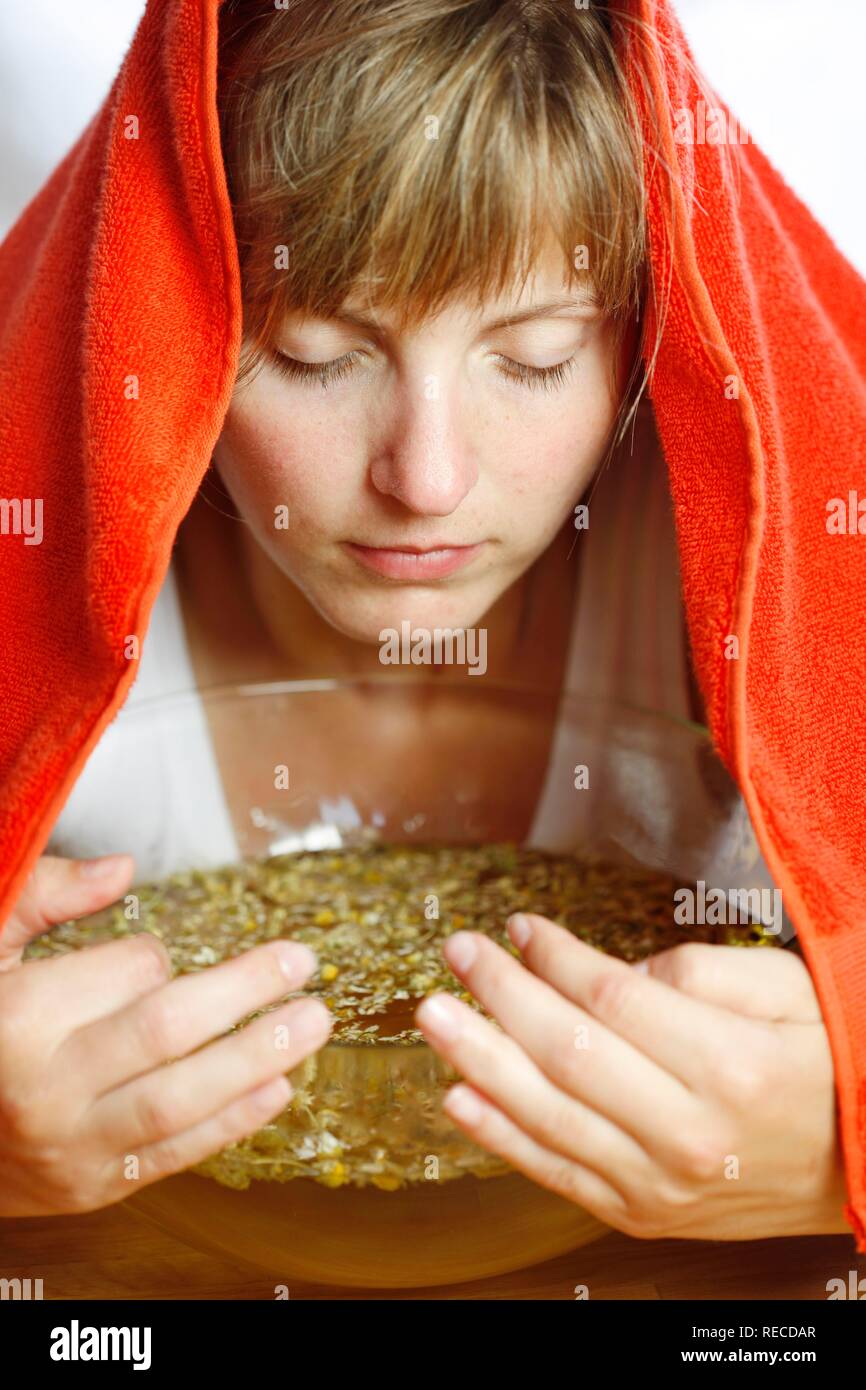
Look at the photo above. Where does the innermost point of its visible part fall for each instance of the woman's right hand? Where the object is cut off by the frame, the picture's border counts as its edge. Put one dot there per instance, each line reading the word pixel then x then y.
pixel 88 1110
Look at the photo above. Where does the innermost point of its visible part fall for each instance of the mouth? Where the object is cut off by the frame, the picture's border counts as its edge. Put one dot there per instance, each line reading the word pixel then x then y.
pixel 414 564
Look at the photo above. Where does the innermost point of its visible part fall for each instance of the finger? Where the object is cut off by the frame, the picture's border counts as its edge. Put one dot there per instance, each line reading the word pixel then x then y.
pixel 769 983
pixel 681 1035
pixel 187 1012
pixel 499 1068
pixel 242 1117
pixel 76 989
pixel 59 890
pixel 186 1093
pixel 493 1130
pixel 573 1047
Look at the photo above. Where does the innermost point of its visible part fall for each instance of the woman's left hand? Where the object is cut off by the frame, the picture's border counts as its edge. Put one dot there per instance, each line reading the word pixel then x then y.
pixel 694 1100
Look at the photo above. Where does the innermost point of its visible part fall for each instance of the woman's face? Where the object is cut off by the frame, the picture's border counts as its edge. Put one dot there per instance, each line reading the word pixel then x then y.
pixel 423 472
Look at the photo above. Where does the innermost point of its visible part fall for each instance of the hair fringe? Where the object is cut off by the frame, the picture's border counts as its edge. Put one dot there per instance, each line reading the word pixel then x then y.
pixel 321 111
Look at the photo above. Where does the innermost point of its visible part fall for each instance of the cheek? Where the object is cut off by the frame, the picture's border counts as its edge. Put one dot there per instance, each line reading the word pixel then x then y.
pixel 547 451
pixel 267 459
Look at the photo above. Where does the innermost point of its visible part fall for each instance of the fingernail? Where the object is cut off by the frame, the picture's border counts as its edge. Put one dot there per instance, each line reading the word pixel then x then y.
pixel 461 1104
pixel 309 1022
pixel 100 868
pixel 460 950
pixel 297 960
pixel 519 929
pixel 642 966
pixel 440 1015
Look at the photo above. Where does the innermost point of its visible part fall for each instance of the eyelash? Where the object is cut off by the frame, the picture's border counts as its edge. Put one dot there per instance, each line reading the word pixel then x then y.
pixel 327 372
pixel 544 378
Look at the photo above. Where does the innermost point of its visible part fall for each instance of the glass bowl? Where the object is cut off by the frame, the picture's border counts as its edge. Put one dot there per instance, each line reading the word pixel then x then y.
pixel 249 771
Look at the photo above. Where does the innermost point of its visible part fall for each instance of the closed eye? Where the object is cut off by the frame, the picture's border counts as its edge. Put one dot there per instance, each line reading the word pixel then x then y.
pixel 545 378
pixel 327 372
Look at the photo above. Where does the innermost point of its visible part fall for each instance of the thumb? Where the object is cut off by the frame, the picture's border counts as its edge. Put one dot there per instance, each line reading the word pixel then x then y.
pixel 58 890
pixel 763 983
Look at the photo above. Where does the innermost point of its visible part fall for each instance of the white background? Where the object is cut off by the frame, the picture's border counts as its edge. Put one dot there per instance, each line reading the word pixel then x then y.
pixel 791 70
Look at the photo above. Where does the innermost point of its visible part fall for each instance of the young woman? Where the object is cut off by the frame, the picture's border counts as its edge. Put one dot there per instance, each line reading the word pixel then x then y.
pixel 455 276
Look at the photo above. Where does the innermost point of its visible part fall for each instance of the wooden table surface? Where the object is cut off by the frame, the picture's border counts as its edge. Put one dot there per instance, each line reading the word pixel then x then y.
pixel 115 1254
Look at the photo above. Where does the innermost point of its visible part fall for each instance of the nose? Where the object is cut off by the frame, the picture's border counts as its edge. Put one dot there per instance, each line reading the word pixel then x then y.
pixel 427 462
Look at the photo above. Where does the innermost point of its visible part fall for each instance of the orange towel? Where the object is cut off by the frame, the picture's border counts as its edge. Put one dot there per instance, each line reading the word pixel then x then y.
pixel 119 338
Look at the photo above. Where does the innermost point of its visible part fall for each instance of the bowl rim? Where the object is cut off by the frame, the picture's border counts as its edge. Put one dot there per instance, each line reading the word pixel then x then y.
pixel 225 692
pixel 230 690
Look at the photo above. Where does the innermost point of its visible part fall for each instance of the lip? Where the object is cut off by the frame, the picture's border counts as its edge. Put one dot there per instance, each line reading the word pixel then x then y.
pixel 413 564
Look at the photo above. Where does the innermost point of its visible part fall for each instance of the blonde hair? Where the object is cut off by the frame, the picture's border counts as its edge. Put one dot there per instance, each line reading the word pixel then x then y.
pixel 411 150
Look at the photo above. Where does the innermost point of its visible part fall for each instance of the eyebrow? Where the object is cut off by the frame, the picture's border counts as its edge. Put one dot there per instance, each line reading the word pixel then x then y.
pixel 535 311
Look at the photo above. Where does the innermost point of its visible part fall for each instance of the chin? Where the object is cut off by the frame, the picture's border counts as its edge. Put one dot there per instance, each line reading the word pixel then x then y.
pixel 364 617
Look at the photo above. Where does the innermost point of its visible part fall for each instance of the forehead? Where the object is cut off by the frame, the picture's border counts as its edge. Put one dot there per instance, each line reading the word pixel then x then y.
pixel 547 288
